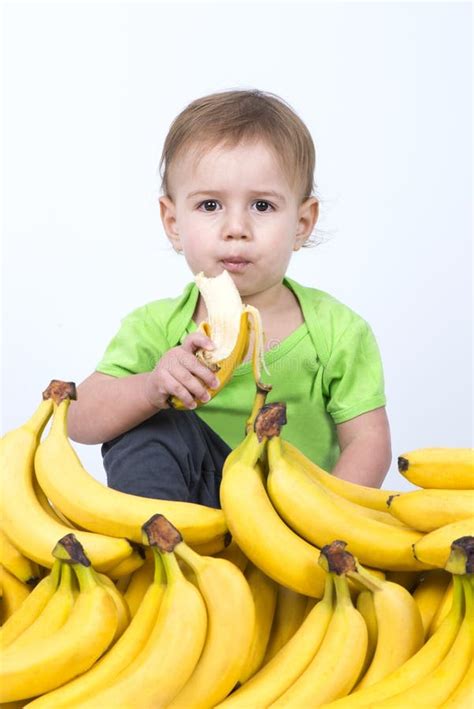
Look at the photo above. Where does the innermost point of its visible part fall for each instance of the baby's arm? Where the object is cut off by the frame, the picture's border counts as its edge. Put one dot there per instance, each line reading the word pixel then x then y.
pixel 108 406
pixel 365 448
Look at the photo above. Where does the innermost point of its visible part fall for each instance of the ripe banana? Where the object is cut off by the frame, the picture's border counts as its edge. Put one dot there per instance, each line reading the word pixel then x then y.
pixel 139 583
pixel 440 683
pixel 127 566
pixel 264 594
pixel 365 606
pixel 427 510
pixel 23 518
pixel 100 509
pixel 434 548
pixel 66 653
pixel 440 468
pixel 462 696
pixel 399 628
pixel 360 494
pixel 230 326
pixel 301 501
pixel 290 662
pixel 443 609
pixel 14 593
pixel 123 613
pixel 105 671
pixel 13 561
pixel 254 523
pixel 169 656
pixel 234 554
pixel 417 667
pixel 31 608
pixel 334 670
pixel 289 614
pixel 429 594
pixel 53 616
pixel 231 621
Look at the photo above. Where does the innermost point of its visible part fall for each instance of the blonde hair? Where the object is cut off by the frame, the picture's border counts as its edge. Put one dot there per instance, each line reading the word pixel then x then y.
pixel 229 117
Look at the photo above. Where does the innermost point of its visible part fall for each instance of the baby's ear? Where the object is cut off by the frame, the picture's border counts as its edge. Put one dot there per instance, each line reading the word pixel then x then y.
pixel 307 217
pixel 168 219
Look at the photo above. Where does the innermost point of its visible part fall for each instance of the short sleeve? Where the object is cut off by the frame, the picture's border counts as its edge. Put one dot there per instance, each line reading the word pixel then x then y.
pixel 353 378
pixel 137 346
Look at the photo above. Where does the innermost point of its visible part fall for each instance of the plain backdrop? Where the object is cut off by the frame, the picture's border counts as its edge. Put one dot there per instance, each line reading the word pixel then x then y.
pixel 89 92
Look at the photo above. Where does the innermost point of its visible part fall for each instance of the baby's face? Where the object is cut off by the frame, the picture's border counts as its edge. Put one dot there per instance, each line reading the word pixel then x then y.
pixel 234 209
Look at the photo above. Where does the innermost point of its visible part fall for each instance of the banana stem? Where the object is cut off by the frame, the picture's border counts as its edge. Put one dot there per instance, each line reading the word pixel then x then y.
pixel 159 573
pixel 364 577
pixel 40 418
pixel 171 566
pixel 59 424
pixel 188 555
pixel 85 576
pixel 342 589
pixel 258 403
pixel 55 573
pixel 461 557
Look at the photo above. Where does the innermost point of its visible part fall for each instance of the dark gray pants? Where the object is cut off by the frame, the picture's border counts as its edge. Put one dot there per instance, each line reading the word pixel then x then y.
pixel 173 455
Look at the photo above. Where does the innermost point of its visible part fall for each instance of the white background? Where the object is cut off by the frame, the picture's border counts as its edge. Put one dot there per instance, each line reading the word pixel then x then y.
pixel 89 92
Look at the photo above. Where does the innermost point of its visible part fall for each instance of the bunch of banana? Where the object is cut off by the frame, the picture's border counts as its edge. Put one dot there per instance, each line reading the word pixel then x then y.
pixel 24 519
pixel 16 563
pixel 231 326
pixel 97 508
pixel 67 635
pixel 440 672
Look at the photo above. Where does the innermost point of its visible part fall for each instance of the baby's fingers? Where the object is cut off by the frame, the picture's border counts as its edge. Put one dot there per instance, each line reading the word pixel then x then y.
pixel 197 340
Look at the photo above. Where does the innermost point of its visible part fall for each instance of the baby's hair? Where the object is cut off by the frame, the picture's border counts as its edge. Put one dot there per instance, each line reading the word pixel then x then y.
pixel 226 118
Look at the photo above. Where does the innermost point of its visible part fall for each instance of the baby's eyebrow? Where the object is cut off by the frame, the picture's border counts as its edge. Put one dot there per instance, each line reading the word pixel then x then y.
pixel 254 193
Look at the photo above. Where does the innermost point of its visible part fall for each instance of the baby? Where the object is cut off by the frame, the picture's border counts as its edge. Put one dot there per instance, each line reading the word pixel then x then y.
pixel 238 171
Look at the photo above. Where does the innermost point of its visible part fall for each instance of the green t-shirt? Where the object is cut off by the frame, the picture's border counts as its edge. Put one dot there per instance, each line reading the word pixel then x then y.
pixel 327 371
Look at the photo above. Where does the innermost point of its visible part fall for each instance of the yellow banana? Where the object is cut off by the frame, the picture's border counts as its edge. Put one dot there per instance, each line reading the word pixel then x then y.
pixel 139 583
pixel 434 547
pixel 211 547
pixel 336 666
pixel 123 613
pixel 231 621
pixel 429 593
pixel 290 662
pixel 53 616
pixel 234 554
pixel 254 523
pixel 66 653
pixel 127 566
pixel 440 683
pixel 14 593
pixel 365 606
pixel 168 658
pixel 427 510
pixel 23 518
pixel 301 501
pixel 13 561
pixel 360 494
pixel 100 509
pixel 264 593
pixel 462 696
pixel 416 668
pixel 30 608
pixel 230 326
pixel 440 468
pixel 289 614
pixel 105 671
pixel 443 609
pixel 399 628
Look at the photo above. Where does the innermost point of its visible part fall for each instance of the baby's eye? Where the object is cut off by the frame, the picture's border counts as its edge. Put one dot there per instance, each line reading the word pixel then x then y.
pixel 209 205
pixel 262 205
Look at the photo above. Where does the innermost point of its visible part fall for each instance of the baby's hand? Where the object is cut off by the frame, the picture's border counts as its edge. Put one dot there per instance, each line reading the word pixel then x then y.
pixel 179 373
